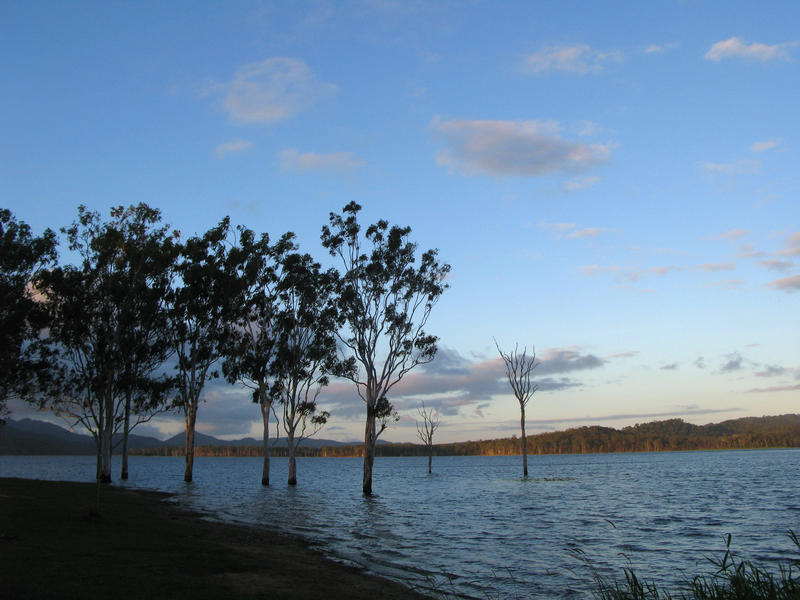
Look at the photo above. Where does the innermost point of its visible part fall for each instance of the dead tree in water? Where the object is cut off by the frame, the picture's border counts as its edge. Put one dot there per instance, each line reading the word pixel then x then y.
pixel 426 429
pixel 519 370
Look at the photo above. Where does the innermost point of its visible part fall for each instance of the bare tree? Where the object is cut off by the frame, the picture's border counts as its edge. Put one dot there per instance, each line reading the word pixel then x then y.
pixel 519 370
pixel 426 429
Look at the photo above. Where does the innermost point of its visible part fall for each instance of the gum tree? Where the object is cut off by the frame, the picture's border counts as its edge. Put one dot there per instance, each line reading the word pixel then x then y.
pixel 385 299
pixel 519 372
pixel 22 257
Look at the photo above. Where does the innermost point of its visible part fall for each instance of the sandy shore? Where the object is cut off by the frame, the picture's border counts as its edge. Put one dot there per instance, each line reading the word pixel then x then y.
pixel 54 544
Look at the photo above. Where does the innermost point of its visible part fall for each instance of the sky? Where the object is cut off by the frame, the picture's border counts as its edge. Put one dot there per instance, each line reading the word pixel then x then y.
pixel 614 184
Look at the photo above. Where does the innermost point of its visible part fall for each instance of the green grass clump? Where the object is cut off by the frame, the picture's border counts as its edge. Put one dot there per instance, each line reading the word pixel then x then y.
pixel 734 579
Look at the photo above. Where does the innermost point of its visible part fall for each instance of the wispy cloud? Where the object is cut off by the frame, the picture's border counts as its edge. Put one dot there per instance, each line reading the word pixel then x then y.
pixel 777 388
pixel 787 284
pixel 792 247
pixel 670 367
pixel 774 264
pixel 581 183
pixel 732 234
pixel 716 267
pixel 502 148
pixel 577 58
pixel 661 48
pixel 743 166
pixel 339 162
pixel 771 371
pixel 572 231
pixel 271 90
pixel 233 147
pixel 728 284
pixel 736 47
pixel 765 145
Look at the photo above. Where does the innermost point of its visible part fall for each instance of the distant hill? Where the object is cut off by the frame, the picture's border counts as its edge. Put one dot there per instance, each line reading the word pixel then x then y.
pixel 37 437
pixel 29 437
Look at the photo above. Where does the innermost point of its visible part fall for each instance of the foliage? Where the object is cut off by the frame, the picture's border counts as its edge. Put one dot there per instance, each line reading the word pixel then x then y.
pixel 22 257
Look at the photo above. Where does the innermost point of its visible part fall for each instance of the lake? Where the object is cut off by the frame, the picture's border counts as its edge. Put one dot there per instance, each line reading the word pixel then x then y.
pixel 476 528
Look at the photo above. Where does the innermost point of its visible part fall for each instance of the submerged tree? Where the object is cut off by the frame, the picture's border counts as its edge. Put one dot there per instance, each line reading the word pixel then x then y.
pixel 250 348
pixel 519 370
pixel 22 257
pixel 385 300
pixel 426 429
pixel 203 306
pixel 306 324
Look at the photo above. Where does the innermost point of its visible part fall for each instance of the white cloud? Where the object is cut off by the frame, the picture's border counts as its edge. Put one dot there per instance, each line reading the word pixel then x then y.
pixel 732 234
pixel 717 267
pixel 581 183
pixel 233 147
pixel 735 47
pixel 272 90
pixel 526 148
pixel 661 48
pixel 740 167
pixel 765 145
pixel 787 284
pixel 578 58
pixel 587 232
pixel 341 162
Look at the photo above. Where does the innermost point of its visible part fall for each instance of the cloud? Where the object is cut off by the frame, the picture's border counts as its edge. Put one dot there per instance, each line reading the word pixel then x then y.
pixel 588 232
pixel 735 47
pixel 558 227
pixel 233 147
pixel 716 267
pixel 522 148
pixel 629 354
pixel 733 234
pixel 778 388
pixel 773 264
pixel 340 162
pixel 792 247
pixel 661 48
pixel 563 361
pixel 765 145
pixel 733 363
pixel 578 58
pixel 700 363
pixel 728 284
pixel 740 167
pixel 787 284
pixel 271 90
pixel 581 183
pixel 771 371
pixel 669 367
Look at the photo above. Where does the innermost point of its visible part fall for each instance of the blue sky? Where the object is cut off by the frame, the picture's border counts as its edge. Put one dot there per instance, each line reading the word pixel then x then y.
pixel 613 183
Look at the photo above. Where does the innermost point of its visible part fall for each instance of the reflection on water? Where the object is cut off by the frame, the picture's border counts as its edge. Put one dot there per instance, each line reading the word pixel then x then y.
pixel 484 531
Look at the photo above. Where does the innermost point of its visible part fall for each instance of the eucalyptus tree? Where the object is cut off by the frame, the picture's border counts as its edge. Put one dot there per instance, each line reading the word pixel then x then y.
pixel 519 372
pixel 204 303
pixel 22 256
pixel 385 299
pixel 97 311
pixel 250 346
pixel 425 430
pixel 306 352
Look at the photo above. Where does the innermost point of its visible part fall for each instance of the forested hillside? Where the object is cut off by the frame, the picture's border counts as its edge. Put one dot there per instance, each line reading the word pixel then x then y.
pixel 674 434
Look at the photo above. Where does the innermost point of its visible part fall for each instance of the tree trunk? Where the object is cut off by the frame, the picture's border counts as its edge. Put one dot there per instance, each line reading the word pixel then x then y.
pixel 369 450
pixel 430 458
pixel 524 443
pixel 125 431
pixel 292 461
pixel 265 417
pixel 105 438
pixel 191 418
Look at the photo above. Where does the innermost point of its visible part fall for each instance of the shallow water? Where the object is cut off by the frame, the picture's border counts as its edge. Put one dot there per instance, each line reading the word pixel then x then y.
pixel 476 528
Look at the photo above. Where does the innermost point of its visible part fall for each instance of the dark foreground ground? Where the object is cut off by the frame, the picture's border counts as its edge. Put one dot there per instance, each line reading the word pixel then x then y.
pixel 53 544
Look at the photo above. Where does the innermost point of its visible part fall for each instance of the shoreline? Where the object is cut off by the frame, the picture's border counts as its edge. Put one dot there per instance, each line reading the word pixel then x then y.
pixel 55 544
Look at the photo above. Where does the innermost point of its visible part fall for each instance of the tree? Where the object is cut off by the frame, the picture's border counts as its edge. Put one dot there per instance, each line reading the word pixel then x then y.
pixel 426 429
pixel 306 324
pixel 250 348
pixel 385 301
pixel 519 370
pixel 203 308
pixel 22 257
pixel 98 309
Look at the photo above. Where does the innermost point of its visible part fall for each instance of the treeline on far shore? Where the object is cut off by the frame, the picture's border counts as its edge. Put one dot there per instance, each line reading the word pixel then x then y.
pixel 671 435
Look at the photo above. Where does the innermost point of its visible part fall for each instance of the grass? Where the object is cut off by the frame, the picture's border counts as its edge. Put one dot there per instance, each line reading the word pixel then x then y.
pixel 732 579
